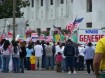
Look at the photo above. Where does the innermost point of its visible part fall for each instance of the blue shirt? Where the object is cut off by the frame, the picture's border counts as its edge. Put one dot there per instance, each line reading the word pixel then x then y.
pixel 89 53
pixel 29 52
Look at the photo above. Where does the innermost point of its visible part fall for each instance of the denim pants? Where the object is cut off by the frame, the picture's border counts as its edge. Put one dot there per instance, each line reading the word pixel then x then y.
pixel 43 61
pixel 89 63
pixel 16 64
pixel 70 63
pixel 28 65
pixel 6 59
pixel 0 61
pixel 22 64
pixel 49 62
pixel 63 65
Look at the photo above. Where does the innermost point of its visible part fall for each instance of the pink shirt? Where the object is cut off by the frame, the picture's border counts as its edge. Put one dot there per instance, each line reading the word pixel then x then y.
pixel 59 58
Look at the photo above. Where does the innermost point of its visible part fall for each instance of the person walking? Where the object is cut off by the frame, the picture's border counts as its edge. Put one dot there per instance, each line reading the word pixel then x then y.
pixel 99 59
pixel 89 55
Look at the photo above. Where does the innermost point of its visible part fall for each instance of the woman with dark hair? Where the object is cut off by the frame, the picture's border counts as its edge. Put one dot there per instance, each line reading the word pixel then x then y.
pixel 15 57
pixel 22 55
pixel 6 51
pixel 29 51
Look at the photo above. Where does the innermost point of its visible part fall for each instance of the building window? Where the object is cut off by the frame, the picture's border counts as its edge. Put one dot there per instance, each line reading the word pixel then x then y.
pixel 61 12
pixel 62 1
pixel 41 2
pixel 89 5
pixel 72 1
pixel 32 3
pixel 51 2
pixel 89 25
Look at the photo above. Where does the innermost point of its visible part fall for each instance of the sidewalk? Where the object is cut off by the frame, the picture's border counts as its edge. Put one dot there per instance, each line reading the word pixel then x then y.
pixel 46 74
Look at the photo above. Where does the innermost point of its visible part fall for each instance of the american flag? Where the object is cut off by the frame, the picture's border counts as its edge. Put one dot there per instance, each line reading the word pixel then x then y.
pixel 71 26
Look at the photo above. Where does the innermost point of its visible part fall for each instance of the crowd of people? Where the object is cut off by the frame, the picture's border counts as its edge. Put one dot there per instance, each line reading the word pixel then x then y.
pixel 40 55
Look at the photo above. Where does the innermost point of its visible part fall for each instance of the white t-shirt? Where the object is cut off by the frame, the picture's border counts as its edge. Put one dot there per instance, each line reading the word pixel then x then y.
pixel 57 49
pixel 81 50
pixel 38 50
pixel 62 51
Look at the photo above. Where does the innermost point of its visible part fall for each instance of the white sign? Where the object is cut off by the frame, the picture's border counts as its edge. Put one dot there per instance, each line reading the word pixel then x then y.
pixel 89 35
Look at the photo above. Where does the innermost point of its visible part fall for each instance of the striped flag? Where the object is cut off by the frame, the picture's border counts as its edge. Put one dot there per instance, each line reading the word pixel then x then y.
pixel 71 26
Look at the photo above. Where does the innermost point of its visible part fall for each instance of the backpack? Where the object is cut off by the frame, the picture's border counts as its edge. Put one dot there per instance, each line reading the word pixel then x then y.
pixel 69 50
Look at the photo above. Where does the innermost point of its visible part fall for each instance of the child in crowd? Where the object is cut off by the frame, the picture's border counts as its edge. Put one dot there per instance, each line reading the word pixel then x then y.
pixel 33 61
pixel 59 59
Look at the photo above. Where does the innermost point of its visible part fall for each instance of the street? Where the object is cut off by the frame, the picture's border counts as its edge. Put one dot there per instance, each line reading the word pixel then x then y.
pixel 46 74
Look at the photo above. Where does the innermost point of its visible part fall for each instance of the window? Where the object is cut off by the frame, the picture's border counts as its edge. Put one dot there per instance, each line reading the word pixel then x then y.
pixel 89 5
pixel 39 31
pixel 41 2
pixel 62 1
pixel 32 3
pixel 51 2
pixel 72 1
pixel 89 25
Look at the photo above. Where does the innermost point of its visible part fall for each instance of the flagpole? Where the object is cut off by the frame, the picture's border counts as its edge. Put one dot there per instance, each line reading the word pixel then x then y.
pixel 14 16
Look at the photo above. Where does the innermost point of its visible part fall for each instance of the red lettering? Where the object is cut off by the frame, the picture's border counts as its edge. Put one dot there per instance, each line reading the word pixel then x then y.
pixel 91 38
pixel 102 36
pixel 81 38
pixel 96 38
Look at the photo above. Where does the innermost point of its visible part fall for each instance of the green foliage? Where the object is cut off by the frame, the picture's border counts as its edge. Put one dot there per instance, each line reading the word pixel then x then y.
pixel 6 8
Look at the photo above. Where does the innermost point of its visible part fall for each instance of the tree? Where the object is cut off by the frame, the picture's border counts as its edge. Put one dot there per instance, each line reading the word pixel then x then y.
pixel 6 8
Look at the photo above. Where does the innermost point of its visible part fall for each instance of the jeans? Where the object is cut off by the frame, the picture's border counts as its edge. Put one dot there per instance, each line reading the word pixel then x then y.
pixel 89 63
pixel 28 65
pixel 43 61
pixel 70 63
pixel 49 62
pixel 0 61
pixel 16 63
pixel 63 65
pixel 81 63
pixel 22 65
pixel 6 59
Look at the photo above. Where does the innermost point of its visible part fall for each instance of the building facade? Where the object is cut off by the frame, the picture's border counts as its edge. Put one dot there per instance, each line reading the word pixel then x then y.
pixel 46 13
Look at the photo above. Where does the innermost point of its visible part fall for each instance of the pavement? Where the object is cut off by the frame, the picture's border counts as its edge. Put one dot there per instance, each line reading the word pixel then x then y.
pixel 46 74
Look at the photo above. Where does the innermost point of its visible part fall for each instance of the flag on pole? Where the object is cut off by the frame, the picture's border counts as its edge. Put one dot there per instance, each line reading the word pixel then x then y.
pixel 71 26
pixel 79 20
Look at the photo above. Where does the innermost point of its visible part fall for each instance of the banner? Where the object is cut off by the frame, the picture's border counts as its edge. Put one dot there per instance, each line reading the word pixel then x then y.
pixel 90 35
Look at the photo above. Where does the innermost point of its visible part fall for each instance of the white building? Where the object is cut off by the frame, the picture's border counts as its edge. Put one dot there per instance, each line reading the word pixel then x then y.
pixel 46 13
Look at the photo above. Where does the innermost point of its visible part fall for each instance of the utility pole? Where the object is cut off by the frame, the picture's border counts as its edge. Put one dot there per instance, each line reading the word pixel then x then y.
pixel 14 16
